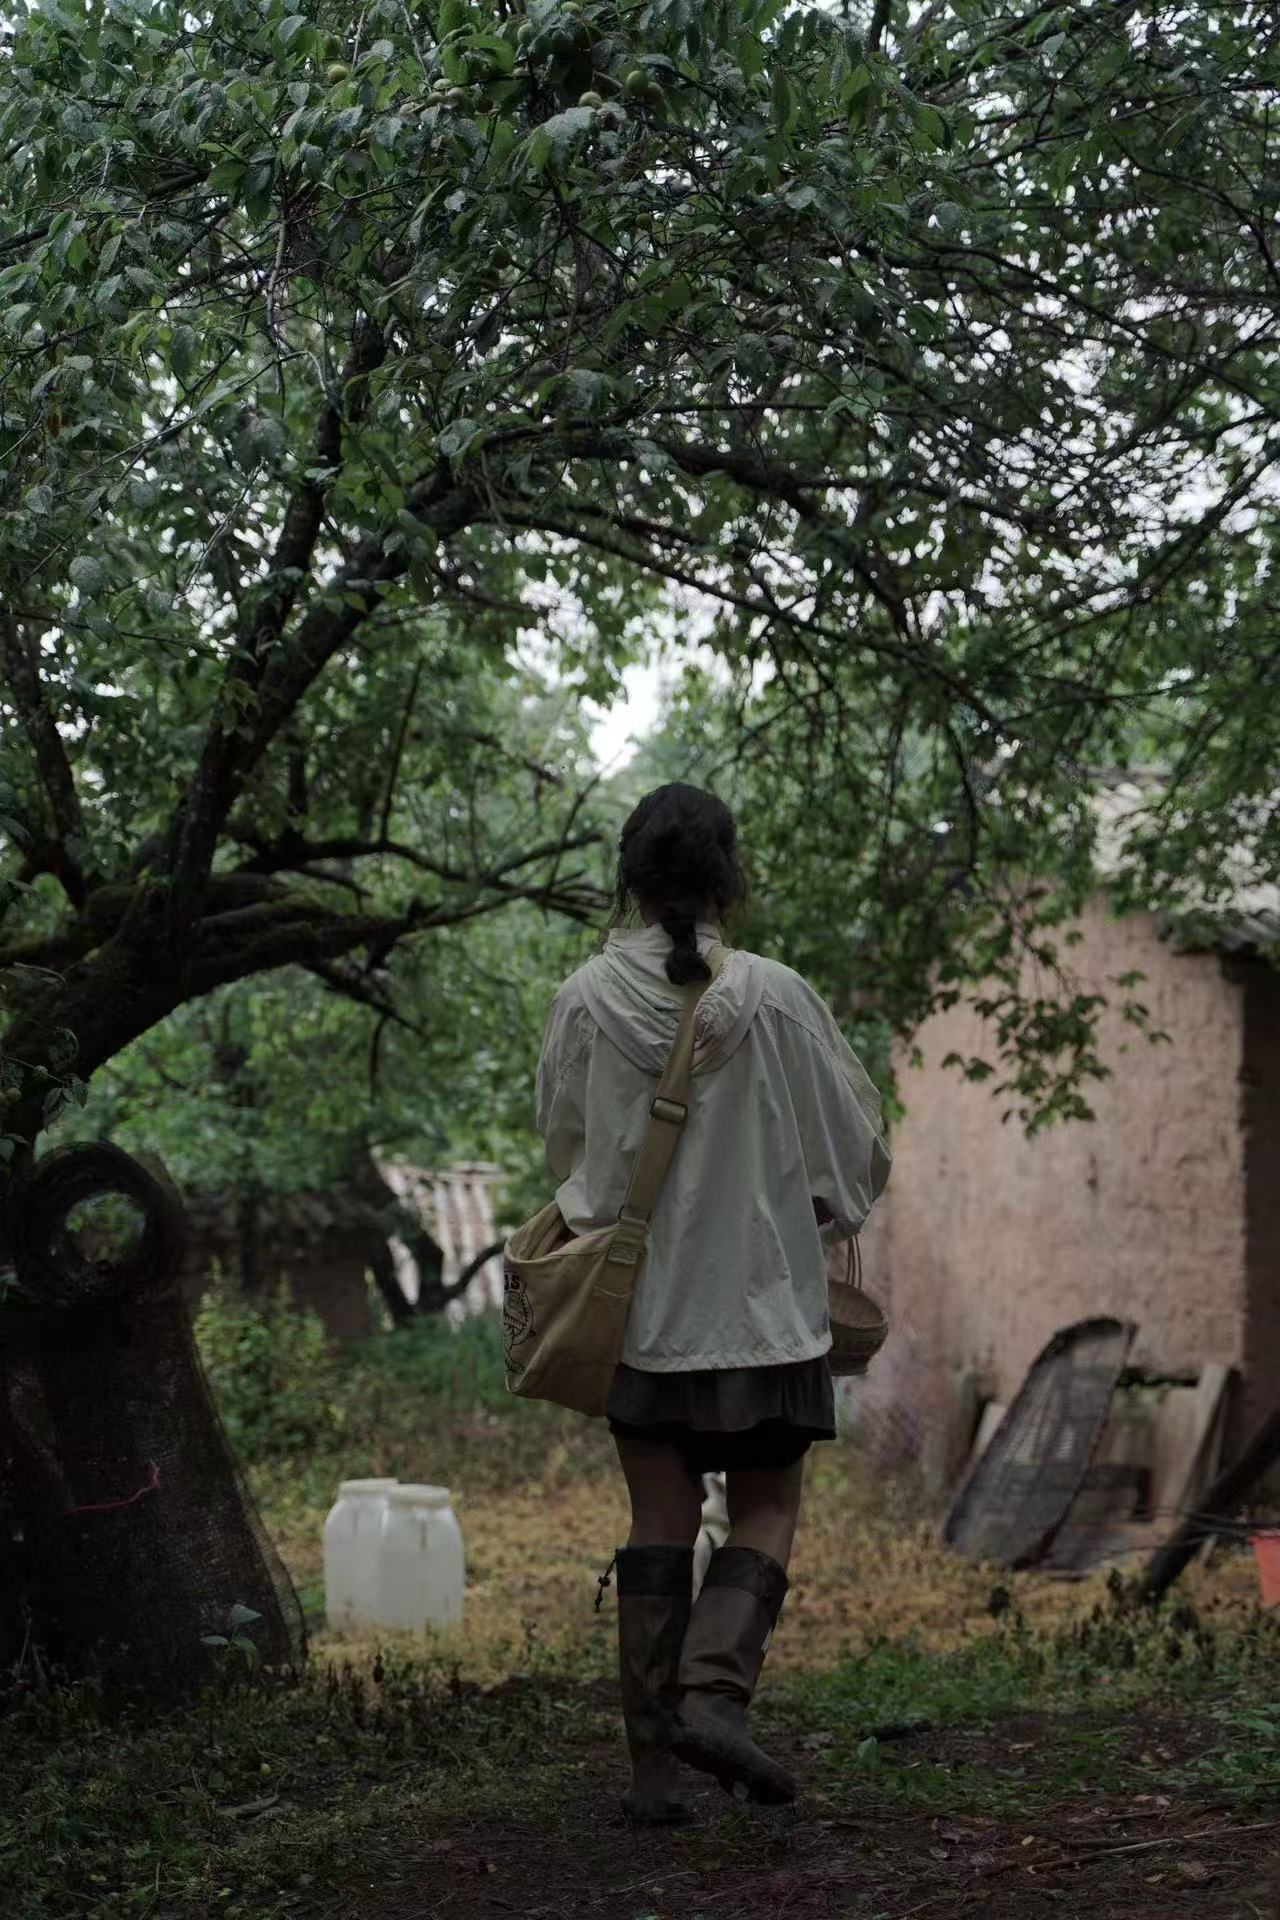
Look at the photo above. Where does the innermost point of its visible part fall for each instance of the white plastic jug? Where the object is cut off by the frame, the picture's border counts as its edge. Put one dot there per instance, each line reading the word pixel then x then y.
pixel 421 1567
pixel 352 1538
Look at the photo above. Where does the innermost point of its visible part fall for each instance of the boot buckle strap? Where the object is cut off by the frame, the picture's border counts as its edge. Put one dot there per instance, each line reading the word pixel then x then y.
pixel 602 1582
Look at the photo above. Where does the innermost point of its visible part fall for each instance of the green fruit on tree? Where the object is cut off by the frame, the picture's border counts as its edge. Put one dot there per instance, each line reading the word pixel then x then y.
pixel 9 1097
pixel 525 34
pixel 337 73
pixel 590 99
pixel 636 82
pixel 40 1075
pixel 458 97
pixel 653 94
pixel 332 47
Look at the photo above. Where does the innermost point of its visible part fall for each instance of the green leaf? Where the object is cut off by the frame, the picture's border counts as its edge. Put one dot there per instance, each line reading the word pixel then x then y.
pixel 1063 168
pixel 504 55
pixel 87 575
pixel 1181 127
pixel 932 124
pixel 557 137
pixel 784 107
pixel 486 334
pixel 182 351
pixel 227 175
pixel 460 434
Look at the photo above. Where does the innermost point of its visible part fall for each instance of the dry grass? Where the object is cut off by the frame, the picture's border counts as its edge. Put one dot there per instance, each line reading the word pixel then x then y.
pixel 867 1567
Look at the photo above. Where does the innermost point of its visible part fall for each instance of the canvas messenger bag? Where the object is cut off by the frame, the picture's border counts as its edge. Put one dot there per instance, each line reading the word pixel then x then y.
pixel 566 1296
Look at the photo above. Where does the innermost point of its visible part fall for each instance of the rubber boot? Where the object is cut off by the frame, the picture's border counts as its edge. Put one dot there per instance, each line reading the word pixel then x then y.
pixel 729 1632
pixel 655 1587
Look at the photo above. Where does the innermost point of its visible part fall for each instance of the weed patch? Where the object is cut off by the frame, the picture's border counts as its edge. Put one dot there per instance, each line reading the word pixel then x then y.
pixel 1130 1699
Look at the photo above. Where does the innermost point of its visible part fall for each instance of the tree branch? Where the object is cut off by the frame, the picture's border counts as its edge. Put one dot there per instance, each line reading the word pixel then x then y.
pixel 287 853
pixel 104 911
pixel 347 984
pixel 264 612
pixel 22 676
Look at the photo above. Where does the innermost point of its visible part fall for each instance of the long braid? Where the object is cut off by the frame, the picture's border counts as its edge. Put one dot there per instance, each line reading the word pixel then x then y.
pixel 684 964
pixel 678 862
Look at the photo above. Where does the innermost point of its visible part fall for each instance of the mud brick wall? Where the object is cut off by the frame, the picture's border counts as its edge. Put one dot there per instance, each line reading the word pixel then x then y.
pixel 989 1241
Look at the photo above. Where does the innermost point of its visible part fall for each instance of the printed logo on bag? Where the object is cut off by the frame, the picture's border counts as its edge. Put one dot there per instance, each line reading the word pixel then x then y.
pixel 517 1313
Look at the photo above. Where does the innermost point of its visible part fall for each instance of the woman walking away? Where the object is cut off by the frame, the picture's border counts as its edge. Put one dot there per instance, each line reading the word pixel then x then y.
pixel 725 1363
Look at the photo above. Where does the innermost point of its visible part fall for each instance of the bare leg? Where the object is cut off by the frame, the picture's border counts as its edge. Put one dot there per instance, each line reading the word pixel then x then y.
pixel 764 1506
pixel 666 1499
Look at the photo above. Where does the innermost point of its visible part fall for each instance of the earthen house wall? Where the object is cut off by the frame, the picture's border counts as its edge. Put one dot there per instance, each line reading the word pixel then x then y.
pixel 1162 1210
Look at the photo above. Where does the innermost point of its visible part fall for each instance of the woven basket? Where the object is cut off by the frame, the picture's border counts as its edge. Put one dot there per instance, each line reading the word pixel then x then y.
pixel 858 1327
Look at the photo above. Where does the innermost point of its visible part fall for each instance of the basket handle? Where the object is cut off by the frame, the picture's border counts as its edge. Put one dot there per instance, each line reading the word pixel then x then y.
pixel 853 1263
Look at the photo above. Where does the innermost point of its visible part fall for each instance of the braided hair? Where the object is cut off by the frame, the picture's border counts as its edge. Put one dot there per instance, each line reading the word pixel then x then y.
pixel 678 861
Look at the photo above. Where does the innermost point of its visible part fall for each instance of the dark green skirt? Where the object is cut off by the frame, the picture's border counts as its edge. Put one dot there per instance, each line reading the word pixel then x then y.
pixel 718 1419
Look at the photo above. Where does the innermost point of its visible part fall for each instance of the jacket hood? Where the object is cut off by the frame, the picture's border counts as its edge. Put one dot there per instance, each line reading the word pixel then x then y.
pixel 628 994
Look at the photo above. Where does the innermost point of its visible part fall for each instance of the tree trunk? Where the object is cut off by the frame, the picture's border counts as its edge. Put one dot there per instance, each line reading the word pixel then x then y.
pixel 395 1220
pixel 394 1297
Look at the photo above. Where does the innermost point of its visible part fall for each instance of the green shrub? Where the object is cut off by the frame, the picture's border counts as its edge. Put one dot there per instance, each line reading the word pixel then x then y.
pixel 276 1375
pixel 286 1390
pixel 458 1369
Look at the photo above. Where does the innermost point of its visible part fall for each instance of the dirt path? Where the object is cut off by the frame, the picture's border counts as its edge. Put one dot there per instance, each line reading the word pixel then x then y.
pixel 557 1849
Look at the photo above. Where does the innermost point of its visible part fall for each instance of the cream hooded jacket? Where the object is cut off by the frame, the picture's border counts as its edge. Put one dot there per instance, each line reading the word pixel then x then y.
pixel 781 1113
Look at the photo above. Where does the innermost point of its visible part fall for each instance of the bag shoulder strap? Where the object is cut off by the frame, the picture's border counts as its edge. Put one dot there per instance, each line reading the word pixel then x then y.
pixel 668 1111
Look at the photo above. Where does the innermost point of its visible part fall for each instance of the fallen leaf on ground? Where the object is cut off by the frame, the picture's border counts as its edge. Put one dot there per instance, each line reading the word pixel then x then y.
pixel 250 1806
pixel 1193 1870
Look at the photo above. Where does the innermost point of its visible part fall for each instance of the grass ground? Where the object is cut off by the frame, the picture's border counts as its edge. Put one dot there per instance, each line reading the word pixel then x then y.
pixel 967 1744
